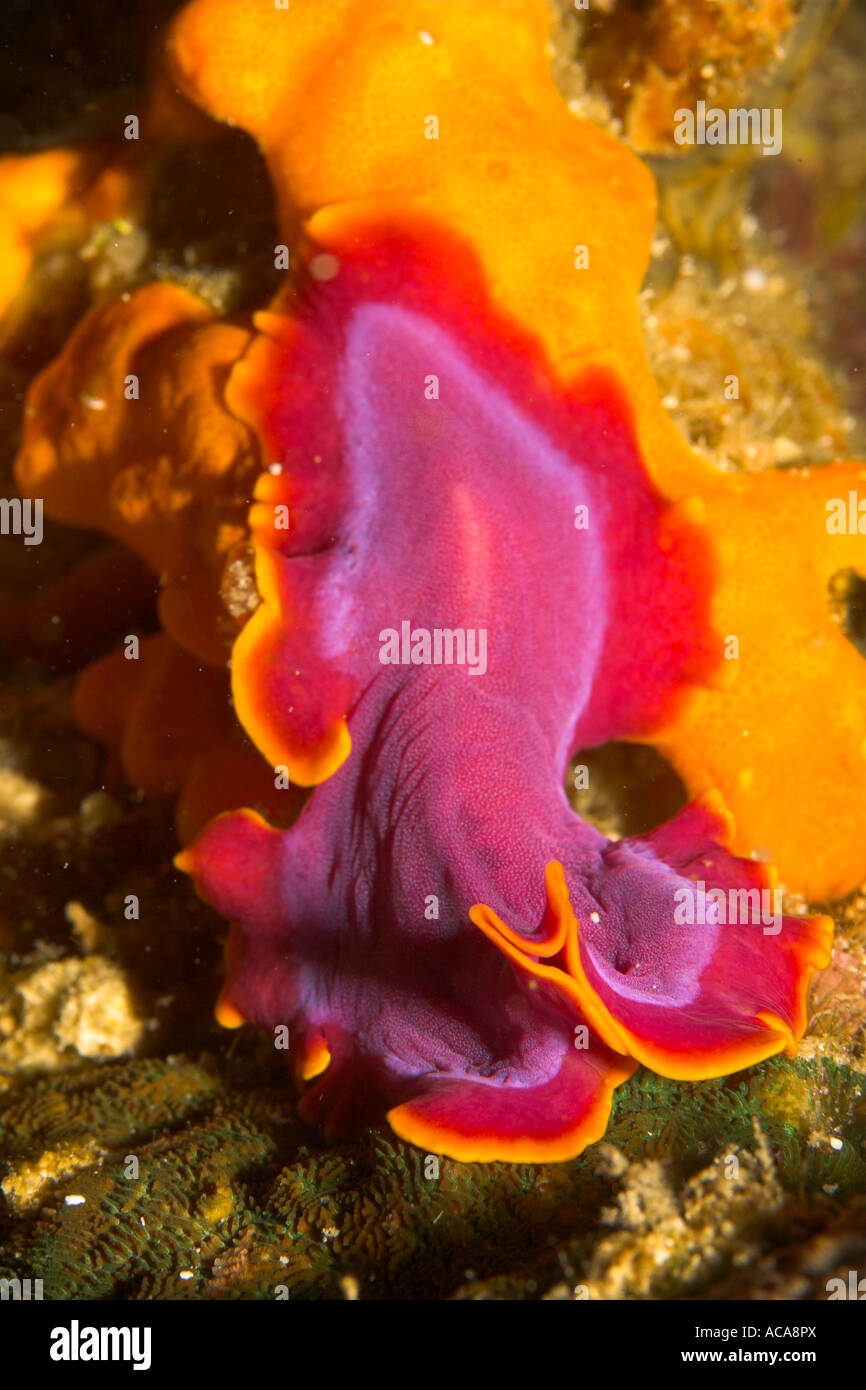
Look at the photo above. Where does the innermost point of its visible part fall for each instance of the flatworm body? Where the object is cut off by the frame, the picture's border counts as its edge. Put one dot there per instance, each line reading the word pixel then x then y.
pixel 480 544
pixel 449 109
pixel 442 935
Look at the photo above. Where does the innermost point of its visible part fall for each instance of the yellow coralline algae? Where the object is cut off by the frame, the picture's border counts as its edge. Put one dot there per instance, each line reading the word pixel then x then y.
pixel 54 1013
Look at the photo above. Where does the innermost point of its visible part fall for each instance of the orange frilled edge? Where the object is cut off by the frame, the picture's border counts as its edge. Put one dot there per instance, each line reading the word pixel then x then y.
pixel 553 961
pixel 810 949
